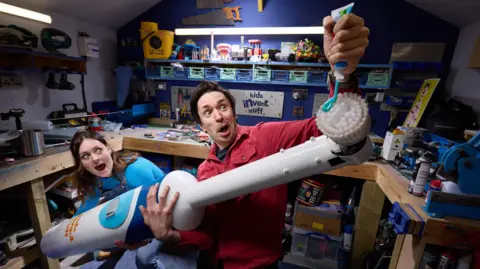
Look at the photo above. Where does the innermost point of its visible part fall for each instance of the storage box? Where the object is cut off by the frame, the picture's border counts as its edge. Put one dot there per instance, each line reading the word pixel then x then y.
pixel 392 145
pixel 318 248
pixel 228 73
pixel 318 219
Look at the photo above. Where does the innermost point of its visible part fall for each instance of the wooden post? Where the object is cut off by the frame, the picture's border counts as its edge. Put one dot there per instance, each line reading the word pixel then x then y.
pixel 38 207
pixel 368 219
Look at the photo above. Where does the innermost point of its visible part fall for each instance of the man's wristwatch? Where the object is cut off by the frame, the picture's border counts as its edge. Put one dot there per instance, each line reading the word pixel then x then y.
pixel 351 83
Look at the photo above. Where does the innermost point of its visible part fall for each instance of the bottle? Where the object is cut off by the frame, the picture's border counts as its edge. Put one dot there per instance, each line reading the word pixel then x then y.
pixel 348 237
pixel 435 185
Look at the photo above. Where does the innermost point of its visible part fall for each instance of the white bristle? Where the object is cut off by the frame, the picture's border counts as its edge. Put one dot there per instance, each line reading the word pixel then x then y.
pixel 347 122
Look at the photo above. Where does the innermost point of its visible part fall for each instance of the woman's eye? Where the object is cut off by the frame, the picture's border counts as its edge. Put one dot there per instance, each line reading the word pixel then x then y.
pixel 207 113
pixel 85 157
pixel 223 107
pixel 98 150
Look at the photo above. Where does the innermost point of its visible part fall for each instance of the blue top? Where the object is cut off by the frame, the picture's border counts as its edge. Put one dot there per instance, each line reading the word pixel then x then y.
pixel 141 172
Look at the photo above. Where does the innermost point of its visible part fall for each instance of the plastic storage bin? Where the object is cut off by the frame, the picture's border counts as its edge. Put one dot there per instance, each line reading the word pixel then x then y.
pixel 315 246
pixel 244 74
pixel 228 73
pixel 212 73
pixel 181 72
pixel 167 72
pixel 196 72
pixel 152 71
pixel 299 76
pixel 377 79
pixel 317 76
pixel 280 75
pixel 262 75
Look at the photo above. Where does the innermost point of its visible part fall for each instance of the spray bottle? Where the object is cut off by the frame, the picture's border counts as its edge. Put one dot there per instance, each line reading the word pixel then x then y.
pixel 338 68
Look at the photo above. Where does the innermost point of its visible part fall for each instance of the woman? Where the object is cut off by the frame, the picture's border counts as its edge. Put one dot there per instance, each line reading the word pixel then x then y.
pixel 102 174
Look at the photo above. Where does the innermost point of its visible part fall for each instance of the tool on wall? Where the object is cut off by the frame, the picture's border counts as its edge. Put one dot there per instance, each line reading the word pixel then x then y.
pixel 232 13
pixel 17 113
pixel 54 39
pixel 63 84
pixel 18 37
pixel 216 17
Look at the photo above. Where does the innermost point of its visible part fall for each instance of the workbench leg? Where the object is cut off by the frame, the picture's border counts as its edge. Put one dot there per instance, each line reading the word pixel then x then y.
pixel 397 249
pixel 38 207
pixel 368 220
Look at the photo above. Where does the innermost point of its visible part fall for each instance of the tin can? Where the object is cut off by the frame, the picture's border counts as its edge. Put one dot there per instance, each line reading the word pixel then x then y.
pixel 421 174
pixel 447 261
pixel 310 192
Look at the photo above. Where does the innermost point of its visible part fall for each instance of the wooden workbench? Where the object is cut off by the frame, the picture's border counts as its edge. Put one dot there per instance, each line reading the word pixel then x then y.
pixel 381 180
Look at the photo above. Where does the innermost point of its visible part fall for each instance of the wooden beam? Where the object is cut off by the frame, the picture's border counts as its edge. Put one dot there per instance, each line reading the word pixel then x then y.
pixel 367 222
pixel 260 5
pixel 41 222
pixel 397 249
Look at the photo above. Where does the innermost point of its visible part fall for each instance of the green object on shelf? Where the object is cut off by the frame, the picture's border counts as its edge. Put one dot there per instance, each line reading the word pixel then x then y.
pixel 299 76
pixel 196 72
pixel 166 71
pixel 377 79
pixel 228 73
pixel 262 75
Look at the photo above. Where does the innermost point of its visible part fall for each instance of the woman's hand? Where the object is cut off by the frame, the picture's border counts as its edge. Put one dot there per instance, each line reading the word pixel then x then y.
pixel 345 41
pixel 158 216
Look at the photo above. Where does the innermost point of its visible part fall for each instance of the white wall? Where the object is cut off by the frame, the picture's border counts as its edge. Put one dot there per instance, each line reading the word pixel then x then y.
pixel 37 100
pixel 464 83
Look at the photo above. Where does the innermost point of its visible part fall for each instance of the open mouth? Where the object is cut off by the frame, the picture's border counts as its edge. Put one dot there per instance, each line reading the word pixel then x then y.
pixel 100 167
pixel 223 129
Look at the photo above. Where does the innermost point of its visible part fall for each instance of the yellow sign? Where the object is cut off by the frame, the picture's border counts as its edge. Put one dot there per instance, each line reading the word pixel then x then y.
pixel 421 102
pixel 317 225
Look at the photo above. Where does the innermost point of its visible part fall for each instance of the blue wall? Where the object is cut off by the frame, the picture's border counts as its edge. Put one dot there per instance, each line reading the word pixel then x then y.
pixel 390 21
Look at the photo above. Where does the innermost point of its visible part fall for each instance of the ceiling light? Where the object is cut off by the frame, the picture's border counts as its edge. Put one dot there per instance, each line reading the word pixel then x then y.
pixel 21 12
pixel 251 31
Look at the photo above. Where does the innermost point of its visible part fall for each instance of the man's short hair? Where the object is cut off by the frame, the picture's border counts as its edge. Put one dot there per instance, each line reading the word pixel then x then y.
pixel 206 87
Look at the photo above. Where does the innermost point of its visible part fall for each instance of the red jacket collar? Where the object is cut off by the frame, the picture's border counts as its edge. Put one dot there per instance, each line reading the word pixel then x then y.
pixel 241 132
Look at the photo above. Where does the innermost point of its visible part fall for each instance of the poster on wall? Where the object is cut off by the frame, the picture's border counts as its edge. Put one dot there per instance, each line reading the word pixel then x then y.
pixel 420 104
pixel 259 103
pixel 318 101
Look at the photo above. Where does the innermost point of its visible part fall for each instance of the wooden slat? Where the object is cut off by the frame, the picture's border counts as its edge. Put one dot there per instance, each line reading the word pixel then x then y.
pixel 260 5
pixel 161 122
pixel 41 222
pixel 397 249
pixel 458 231
pixel 165 147
pixel 366 171
pixel 368 219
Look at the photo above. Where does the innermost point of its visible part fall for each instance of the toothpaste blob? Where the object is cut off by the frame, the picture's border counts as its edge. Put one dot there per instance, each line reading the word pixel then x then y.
pixel 347 122
pixel 338 13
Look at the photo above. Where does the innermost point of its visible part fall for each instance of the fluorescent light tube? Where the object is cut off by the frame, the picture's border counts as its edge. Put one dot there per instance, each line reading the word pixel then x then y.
pixel 251 31
pixel 21 12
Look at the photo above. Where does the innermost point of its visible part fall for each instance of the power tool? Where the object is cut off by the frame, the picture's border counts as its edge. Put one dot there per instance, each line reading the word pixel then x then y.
pixel 54 39
pixel 17 37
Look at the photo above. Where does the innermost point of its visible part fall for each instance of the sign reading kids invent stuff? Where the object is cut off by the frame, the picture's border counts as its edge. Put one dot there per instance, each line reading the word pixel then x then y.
pixel 259 103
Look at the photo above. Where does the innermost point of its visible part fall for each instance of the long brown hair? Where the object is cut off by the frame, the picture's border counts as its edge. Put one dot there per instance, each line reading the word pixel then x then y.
pixel 84 180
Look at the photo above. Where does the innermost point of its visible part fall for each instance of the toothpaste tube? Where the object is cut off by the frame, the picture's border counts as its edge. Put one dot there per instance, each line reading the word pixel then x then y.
pixel 337 14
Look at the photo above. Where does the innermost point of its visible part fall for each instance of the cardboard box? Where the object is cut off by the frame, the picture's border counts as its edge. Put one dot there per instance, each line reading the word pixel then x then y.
pixel 318 219
pixel 392 145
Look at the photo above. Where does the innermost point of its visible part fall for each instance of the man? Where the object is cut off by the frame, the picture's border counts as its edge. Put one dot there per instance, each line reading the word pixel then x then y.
pixel 246 232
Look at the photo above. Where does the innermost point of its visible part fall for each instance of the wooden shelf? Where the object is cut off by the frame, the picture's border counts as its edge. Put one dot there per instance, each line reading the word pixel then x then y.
pixel 36 61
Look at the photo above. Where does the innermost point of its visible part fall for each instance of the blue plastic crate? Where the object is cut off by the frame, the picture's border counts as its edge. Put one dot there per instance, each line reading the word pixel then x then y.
pixel 244 74
pixel 212 73
pixel 317 76
pixel 152 71
pixel 362 78
pixel 181 72
pixel 280 75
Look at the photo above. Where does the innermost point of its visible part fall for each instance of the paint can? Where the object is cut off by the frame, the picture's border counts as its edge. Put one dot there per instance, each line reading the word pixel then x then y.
pixel 310 192
pixel 421 174
pixel 447 261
